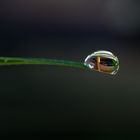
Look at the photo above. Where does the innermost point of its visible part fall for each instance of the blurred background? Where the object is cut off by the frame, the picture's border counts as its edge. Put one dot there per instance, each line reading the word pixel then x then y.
pixel 54 101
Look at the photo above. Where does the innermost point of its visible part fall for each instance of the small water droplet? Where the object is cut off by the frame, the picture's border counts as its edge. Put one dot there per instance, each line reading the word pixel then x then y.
pixel 103 61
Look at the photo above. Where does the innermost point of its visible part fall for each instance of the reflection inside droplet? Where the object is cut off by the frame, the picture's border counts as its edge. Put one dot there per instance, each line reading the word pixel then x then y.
pixel 103 61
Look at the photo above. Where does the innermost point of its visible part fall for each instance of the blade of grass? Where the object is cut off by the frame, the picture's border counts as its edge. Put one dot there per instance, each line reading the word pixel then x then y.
pixel 40 61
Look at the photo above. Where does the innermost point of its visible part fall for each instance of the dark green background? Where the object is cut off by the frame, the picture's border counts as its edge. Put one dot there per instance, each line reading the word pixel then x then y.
pixel 55 101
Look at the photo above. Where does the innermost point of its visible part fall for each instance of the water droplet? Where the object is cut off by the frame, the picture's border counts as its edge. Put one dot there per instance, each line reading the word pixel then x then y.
pixel 103 61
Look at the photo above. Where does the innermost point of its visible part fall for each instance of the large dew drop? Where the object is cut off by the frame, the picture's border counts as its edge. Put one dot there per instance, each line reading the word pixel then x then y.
pixel 103 61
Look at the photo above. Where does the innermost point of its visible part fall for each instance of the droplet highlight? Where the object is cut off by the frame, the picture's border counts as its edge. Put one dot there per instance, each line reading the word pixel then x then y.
pixel 103 61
